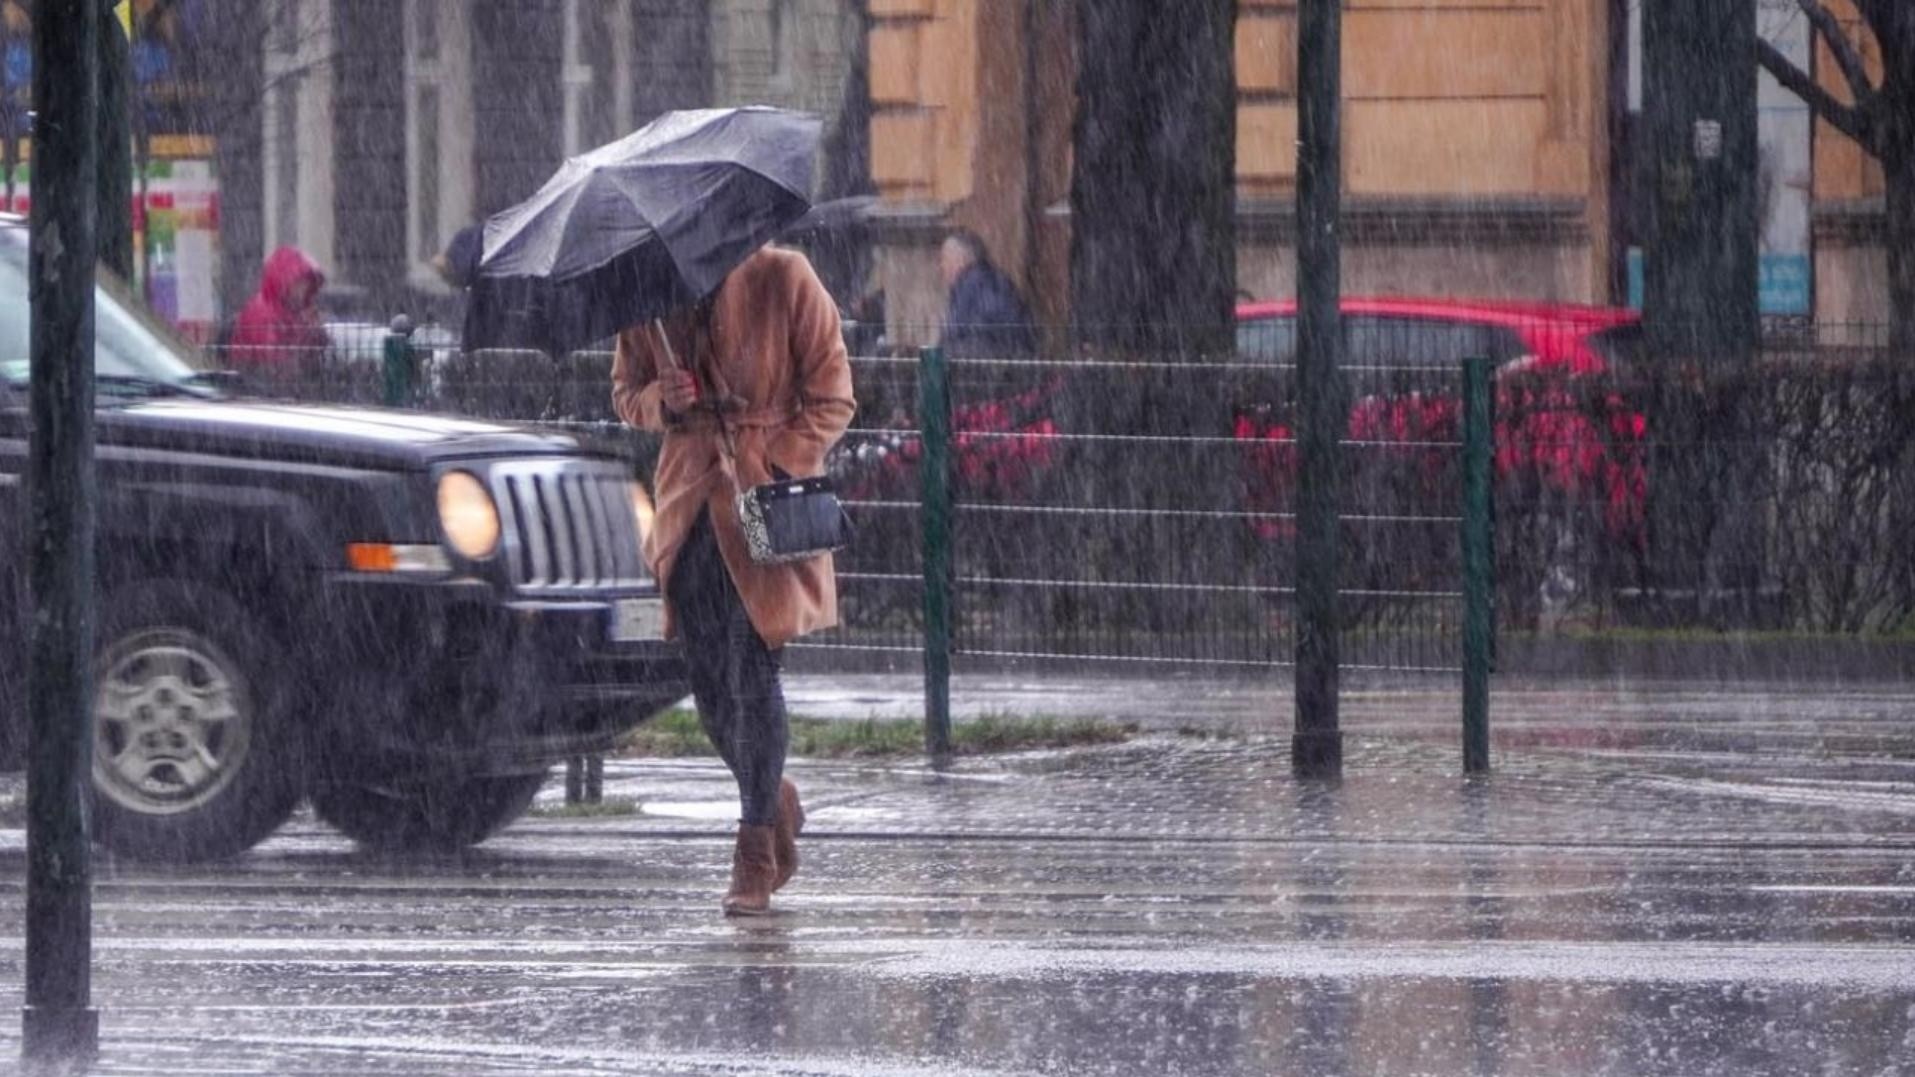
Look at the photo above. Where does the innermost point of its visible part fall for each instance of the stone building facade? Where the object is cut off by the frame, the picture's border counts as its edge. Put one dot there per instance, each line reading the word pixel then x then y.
pixel 1488 150
pixel 387 125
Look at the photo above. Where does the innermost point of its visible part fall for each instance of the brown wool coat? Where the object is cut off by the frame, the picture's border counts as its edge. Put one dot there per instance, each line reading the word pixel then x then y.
pixel 776 344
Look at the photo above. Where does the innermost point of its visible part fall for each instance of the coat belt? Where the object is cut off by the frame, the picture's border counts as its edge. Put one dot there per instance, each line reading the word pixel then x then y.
pixel 704 422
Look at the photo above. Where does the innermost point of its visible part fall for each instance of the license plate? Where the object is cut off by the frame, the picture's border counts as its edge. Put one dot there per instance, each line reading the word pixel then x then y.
pixel 638 619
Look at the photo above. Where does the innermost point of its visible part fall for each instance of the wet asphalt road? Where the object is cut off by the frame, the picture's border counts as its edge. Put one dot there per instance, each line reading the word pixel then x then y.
pixel 1716 883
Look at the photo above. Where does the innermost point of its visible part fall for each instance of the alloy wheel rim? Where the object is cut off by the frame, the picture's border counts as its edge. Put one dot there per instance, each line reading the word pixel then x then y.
pixel 172 722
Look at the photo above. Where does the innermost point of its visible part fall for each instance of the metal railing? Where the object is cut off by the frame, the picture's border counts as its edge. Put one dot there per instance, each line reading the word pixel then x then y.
pixel 1110 511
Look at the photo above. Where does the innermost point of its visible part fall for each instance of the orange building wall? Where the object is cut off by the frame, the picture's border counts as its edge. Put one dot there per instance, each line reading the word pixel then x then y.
pixel 1468 101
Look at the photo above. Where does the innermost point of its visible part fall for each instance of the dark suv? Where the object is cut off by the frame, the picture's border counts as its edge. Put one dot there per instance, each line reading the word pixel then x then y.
pixel 407 618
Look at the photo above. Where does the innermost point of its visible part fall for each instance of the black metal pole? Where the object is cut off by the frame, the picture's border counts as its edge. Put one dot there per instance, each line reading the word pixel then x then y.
pixel 1316 749
pixel 59 1026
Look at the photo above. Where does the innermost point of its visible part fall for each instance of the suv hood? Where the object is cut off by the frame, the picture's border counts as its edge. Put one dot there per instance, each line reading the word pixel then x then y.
pixel 335 435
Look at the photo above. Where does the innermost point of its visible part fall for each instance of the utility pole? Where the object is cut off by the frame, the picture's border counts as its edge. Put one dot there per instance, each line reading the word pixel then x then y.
pixel 1700 299
pixel 1702 266
pixel 60 1029
pixel 1316 748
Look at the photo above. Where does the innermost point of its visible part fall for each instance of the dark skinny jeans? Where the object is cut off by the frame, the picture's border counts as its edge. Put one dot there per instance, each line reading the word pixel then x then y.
pixel 734 676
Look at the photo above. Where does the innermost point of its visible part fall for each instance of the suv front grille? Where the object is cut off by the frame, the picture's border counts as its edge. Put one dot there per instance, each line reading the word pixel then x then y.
pixel 568 527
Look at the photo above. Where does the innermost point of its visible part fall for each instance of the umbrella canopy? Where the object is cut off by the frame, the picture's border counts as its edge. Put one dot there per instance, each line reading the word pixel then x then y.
pixel 835 215
pixel 640 227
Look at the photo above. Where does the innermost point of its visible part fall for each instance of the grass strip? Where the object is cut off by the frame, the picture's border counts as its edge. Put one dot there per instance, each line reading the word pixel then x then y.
pixel 607 808
pixel 677 734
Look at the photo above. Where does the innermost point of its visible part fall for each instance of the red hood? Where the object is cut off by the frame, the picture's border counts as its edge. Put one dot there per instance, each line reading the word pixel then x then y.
pixel 286 267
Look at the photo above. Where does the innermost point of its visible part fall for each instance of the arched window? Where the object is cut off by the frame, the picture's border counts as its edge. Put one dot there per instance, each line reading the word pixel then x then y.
pixel 297 120
pixel 598 73
pixel 783 32
pixel 439 129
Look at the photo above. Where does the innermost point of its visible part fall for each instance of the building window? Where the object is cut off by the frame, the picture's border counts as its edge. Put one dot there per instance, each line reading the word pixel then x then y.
pixel 440 129
pixel 783 33
pixel 598 73
pixel 285 170
pixel 297 114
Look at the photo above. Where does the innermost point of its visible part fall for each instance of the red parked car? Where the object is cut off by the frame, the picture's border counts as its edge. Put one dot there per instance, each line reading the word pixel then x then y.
pixel 1559 453
pixel 1559 446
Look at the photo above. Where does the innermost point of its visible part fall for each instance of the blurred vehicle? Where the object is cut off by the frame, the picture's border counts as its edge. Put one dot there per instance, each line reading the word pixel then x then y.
pixel 1000 442
pixel 406 618
pixel 365 342
pixel 1565 443
pixel 1569 463
pixel 999 448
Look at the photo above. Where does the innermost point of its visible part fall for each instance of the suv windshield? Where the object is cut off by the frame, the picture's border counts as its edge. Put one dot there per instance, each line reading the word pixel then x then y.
pixel 131 353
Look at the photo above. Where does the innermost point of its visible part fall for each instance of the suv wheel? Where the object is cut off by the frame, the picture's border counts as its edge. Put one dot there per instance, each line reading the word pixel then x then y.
pixel 436 816
pixel 189 751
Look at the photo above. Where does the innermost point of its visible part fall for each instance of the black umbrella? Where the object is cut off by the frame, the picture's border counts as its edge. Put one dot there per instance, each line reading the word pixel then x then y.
pixel 835 215
pixel 640 227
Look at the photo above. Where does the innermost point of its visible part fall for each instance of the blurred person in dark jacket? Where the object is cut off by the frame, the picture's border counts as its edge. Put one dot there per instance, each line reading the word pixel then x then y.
pixel 986 317
pixel 458 264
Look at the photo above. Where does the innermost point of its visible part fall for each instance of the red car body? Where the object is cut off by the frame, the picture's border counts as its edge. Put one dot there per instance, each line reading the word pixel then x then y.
pixel 1544 426
pixel 1545 431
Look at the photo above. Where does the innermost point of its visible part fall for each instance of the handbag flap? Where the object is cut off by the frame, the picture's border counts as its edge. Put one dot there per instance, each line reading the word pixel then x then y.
pixel 784 489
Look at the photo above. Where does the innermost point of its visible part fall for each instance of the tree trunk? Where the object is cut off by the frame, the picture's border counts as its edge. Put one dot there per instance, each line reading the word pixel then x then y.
pixel 518 96
pixel 1892 25
pixel 367 68
pixel 1702 262
pixel 1153 224
pixel 229 60
pixel 1898 167
pixel 115 168
pixel 843 257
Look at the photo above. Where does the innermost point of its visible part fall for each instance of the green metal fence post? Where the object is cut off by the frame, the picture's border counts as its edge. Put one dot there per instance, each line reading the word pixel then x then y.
pixel 1479 575
pixel 399 366
pixel 934 426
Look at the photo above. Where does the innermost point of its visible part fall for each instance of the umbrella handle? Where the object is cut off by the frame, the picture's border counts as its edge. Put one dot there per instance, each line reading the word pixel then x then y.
pixel 671 357
pixel 665 342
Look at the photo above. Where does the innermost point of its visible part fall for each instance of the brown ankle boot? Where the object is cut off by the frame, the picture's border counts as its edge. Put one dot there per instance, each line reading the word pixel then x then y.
pixel 790 824
pixel 753 866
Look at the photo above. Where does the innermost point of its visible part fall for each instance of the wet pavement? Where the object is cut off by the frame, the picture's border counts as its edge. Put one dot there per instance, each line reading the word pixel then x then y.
pixel 1719 883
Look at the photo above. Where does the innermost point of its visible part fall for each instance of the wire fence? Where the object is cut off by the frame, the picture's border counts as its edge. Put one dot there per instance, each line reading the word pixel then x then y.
pixel 1775 495
pixel 1127 512
pixel 1111 510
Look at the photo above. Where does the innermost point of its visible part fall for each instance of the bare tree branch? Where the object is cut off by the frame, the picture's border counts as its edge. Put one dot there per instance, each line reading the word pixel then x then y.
pixel 1847 56
pixel 1848 119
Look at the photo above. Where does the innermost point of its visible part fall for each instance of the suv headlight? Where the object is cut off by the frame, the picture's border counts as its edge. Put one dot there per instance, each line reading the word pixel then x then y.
pixel 642 510
pixel 468 515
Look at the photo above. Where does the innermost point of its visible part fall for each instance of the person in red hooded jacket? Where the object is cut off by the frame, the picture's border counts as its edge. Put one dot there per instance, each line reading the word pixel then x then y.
pixel 280 326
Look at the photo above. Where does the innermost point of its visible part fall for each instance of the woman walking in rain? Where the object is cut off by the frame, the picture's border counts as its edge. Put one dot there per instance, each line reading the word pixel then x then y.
pixel 751 379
